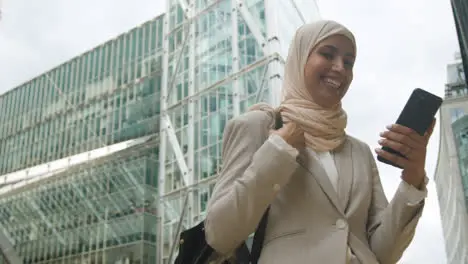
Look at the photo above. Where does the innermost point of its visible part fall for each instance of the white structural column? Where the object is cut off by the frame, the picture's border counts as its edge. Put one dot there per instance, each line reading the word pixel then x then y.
pixel 168 136
pixel 163 137
pixel 273 47
pixel 191 112
pixel 235 56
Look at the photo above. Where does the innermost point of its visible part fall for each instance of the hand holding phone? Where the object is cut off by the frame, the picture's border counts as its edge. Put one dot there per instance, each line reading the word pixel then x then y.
pixel 418 115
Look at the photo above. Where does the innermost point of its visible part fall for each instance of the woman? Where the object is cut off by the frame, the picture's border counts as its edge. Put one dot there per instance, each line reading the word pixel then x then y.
pixel 327 201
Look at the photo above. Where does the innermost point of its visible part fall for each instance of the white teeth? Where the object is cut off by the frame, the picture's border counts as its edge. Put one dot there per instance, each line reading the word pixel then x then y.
pixel 332 83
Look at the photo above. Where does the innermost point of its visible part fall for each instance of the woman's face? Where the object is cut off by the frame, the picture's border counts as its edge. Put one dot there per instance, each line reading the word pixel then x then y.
pixel 329 70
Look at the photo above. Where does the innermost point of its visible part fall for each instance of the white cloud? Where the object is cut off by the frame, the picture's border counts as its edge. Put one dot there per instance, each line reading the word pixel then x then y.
pixel 401 45
pixel 39 35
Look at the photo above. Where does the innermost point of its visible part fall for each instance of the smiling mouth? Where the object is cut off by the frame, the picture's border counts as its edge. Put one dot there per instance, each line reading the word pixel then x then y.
pixel 332 83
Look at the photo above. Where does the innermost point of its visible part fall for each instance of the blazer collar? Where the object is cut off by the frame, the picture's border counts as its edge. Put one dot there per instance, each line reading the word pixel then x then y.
pixel 344 165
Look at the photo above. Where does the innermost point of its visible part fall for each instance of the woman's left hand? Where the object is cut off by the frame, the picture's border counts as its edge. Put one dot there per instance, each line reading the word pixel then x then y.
pixel 412 145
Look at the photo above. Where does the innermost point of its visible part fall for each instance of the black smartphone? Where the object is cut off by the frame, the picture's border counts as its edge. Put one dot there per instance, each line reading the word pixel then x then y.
pixel 418 114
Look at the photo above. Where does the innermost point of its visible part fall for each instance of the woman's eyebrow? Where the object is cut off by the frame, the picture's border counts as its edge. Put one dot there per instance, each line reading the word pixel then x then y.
pixel 335 49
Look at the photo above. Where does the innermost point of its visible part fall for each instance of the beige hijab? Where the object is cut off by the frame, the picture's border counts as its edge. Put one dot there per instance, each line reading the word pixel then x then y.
pixel 324 128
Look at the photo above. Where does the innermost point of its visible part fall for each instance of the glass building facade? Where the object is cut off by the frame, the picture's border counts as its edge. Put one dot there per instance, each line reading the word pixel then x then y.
pixel 451 176
pixel 107 157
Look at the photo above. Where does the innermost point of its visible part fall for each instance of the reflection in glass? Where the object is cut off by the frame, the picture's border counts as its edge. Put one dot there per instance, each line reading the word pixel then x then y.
pixel 460 132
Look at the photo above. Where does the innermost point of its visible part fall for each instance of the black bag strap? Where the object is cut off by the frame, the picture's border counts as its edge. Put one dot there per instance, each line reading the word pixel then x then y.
pixel 259 236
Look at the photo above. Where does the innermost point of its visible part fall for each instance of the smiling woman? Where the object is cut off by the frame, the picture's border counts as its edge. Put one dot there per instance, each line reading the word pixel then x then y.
pixel 320 188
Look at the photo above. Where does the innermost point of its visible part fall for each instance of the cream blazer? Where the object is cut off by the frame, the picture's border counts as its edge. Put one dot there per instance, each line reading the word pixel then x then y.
pixel 309 222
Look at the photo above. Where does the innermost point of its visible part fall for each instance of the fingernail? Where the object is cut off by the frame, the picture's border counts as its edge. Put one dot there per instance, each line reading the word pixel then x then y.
pixel 389 126
pixel 381 141
pixel 378 150
pixel 381 134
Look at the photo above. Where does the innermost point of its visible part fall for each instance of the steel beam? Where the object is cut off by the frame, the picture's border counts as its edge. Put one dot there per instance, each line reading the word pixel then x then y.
pixel 171 85
pixel 260 90
pixel 183 4
pixel 253 27
pixel 166 124
pixel 275 67
pixel 91 207
pixel 299 12
pixel 235 56
pixel 45 220
pixel 7 247
pixel 179 225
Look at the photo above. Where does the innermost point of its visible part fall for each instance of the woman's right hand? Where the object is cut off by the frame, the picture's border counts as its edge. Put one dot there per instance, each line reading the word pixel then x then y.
pixel 292 134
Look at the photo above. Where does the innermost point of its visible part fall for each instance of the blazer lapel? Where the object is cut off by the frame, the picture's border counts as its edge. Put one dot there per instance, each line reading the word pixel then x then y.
pixel 312 166
pixel 344 165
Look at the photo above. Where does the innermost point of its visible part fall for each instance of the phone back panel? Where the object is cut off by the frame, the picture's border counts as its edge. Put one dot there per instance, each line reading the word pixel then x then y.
pixel 419 111
pixel 418 114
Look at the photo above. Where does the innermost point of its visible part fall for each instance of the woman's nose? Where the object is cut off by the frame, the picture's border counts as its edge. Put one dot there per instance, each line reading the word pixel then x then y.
pixel 338 66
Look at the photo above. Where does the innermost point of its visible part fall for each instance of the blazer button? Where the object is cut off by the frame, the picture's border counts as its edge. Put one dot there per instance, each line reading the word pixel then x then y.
pixel 341 224
pixel 276 187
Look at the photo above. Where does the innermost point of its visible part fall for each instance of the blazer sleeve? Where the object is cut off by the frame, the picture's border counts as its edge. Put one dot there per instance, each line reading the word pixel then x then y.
pixel 253 171
pixel 391 226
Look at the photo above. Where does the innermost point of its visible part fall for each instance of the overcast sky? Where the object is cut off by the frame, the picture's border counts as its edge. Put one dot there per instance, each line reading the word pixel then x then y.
pixel 401 45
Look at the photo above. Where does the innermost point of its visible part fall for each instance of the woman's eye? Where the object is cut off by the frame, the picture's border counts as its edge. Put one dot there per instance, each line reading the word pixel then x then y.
pixel 349 63
pixel 327 55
